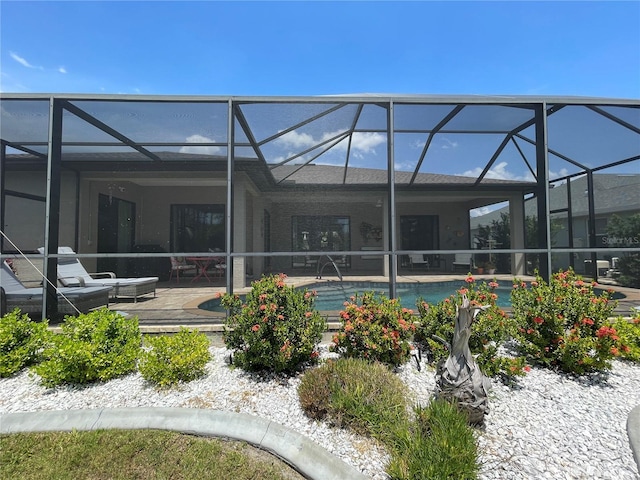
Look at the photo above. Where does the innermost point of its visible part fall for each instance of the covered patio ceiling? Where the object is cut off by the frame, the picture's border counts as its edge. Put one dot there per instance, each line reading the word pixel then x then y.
pixel 415 141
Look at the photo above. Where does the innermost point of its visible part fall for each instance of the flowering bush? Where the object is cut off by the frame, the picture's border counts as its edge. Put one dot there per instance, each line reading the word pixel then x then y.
pixel 375 328
pixel 563 324
pixel 276 328
pixel 629 332
pixel 489 332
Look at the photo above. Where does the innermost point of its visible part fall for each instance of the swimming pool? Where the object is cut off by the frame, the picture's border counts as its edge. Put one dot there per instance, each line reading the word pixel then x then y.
pixel 333 294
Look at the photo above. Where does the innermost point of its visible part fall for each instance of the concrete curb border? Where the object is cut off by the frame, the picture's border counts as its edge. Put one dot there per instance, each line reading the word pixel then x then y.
pixel 302 454
pixel 633 431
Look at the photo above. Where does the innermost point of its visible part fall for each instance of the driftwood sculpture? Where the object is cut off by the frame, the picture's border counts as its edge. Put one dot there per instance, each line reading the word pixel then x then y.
pixel 458 378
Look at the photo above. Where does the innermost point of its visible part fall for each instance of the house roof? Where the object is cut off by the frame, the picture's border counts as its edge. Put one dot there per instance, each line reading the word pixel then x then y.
pixel 473 136
pixel 613 193
pixel 265 178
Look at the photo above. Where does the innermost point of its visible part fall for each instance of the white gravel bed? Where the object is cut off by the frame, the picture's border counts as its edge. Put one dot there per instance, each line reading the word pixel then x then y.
pixel 547 426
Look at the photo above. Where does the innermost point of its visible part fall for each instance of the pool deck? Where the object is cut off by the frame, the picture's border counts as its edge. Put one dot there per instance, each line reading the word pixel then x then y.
pixel 176 304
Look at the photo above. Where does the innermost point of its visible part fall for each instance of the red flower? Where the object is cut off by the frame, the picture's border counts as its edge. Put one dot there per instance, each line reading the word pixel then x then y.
pixel 538 320
pixel 606 331
pixel 527 368
pixel 255 328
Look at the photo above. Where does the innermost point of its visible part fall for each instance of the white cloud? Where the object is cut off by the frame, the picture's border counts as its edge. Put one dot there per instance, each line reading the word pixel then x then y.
pixel 62 70
pixel 361 142
pixel 367 142
pixel 200 150
pixel 478 212
pixel 499 172
pixel 23 61
pixel 448 143
pixel 296 140
pixel 562 173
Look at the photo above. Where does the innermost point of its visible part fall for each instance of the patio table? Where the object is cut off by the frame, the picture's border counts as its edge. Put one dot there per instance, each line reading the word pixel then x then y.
pixel 202 264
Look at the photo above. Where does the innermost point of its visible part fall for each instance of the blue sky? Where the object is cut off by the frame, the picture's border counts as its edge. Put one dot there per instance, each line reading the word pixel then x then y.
pixel 316 48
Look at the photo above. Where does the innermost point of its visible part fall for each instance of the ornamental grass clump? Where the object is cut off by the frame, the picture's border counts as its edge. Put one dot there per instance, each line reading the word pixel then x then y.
pixel 375 328
pixel 564 324
pixel 276 328
pixel 21 342
pixel 355 393
pixel 171 359
pixel 95 346
pixel 368 398
pixel 438 444
pixel 490 331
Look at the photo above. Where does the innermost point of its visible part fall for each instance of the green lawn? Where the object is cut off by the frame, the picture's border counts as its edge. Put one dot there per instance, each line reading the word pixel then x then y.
pixel 139 454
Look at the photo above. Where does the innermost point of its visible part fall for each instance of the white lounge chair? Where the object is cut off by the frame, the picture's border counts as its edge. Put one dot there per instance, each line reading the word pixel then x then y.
pixel 29 300
pixel 418 259
pixel 464 261
pixel 71 273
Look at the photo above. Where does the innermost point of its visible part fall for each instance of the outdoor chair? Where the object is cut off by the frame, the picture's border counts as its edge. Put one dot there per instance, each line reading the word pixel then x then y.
pixel 418 259
pixel 464 261
pixel 71 273
pixel 179 264
pixel 29 300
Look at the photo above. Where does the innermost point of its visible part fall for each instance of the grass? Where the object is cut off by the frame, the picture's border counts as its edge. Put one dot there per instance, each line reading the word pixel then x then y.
pixel 438 445
pixel 139 454
pixel 435 442
pixel 351 392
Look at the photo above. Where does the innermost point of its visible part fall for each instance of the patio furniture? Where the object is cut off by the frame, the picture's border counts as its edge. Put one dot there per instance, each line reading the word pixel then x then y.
pixel 464 261
pixel 71 273
pixel 418 259
pixel 29 300
pixel 178 264
pixel 204 264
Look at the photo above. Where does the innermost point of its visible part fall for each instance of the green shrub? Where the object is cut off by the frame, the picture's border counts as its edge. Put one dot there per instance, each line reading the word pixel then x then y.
pixel 355 393
pixel 628 331
pixel 490 331
pixel 99 345
pixel 563 324
pixel 439 445
pixel 171 359
pixel 21 342
pixel 369 399
pixel 276 329
pixel 375 328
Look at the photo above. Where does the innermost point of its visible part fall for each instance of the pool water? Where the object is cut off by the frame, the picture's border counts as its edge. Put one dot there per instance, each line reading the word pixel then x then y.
pixel 333 294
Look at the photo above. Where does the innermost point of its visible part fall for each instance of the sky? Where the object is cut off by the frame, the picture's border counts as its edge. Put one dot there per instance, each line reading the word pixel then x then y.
pixel 321 48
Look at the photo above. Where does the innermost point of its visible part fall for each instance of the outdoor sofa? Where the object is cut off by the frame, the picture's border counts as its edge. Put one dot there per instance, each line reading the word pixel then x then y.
pixel 29 300
pixel 72 273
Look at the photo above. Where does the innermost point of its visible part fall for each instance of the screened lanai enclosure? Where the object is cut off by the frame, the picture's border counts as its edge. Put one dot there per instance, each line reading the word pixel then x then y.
pixel 201 191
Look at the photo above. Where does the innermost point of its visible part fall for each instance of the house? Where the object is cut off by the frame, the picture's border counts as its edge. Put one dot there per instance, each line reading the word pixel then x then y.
pixel 287 184
pixel 613 194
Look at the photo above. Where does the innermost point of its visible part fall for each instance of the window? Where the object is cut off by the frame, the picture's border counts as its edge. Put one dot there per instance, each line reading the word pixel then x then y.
pixel 320 233
pixel 197 228
pixel 419 232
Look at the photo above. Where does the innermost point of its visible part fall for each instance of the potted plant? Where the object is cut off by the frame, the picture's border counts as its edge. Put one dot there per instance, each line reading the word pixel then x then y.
pixel 490 267
pixel 480 268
